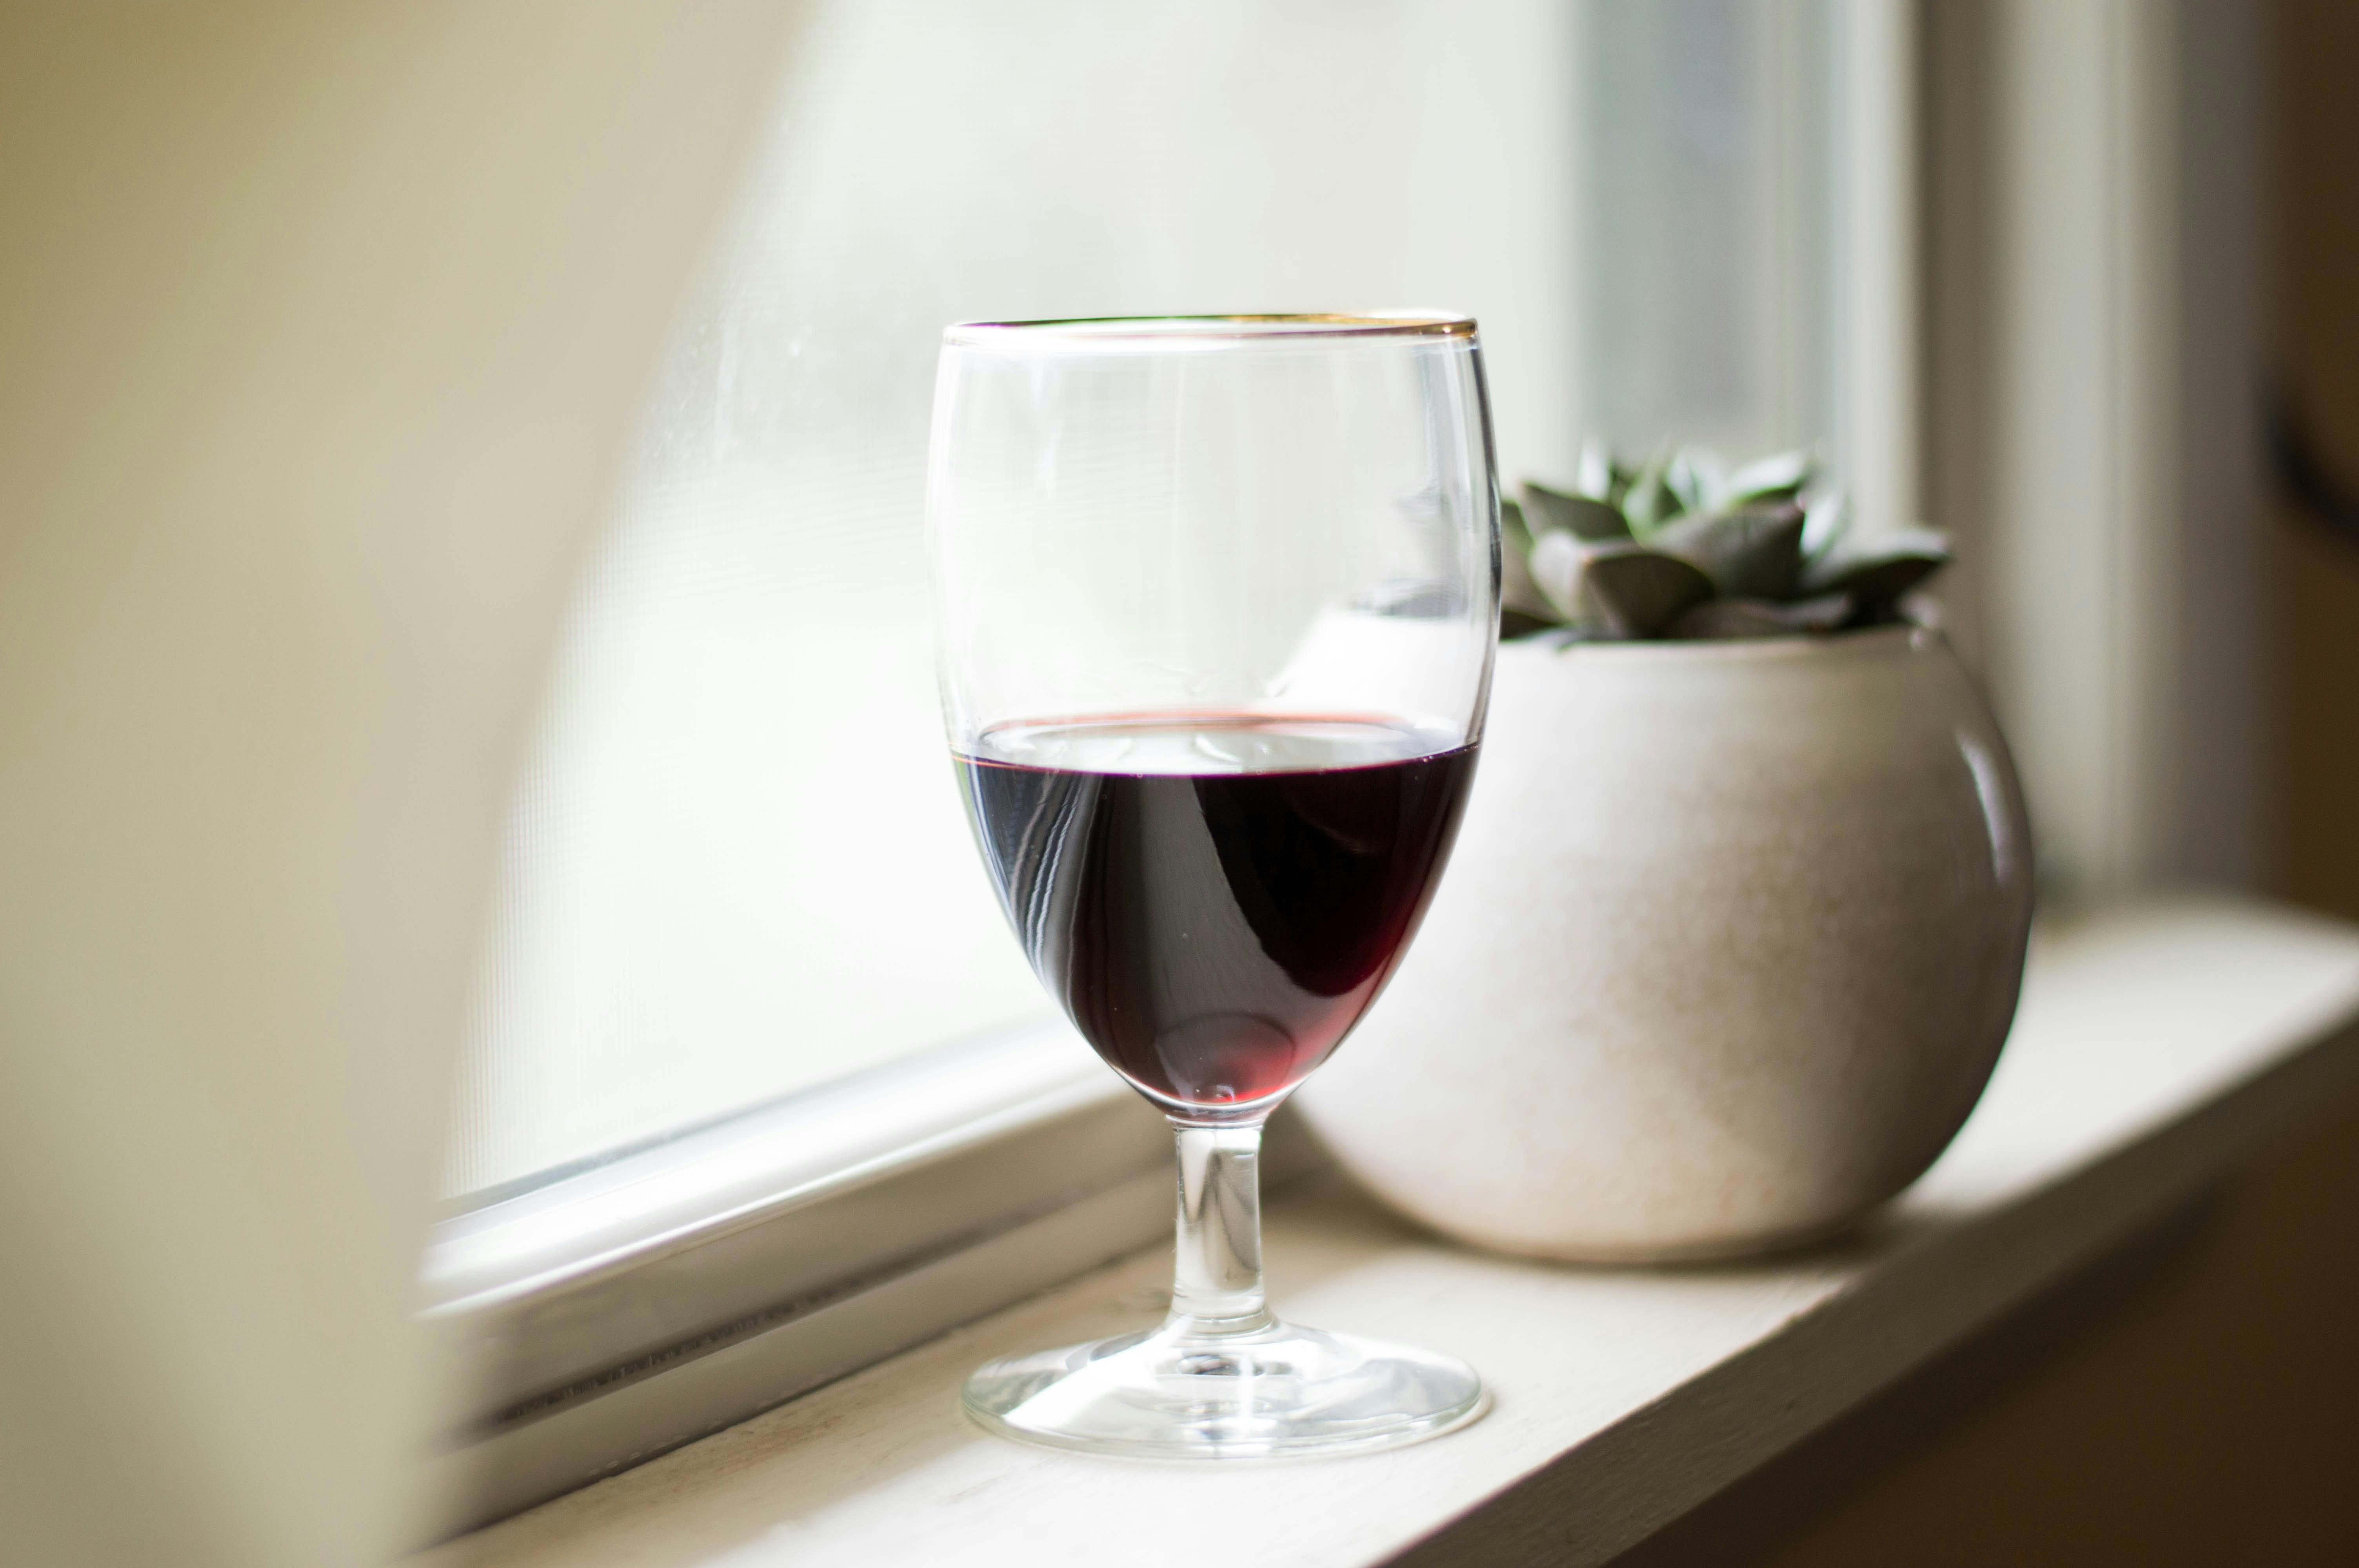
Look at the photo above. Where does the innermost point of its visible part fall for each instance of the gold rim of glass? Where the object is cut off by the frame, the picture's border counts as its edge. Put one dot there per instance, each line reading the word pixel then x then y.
pixel 1177 331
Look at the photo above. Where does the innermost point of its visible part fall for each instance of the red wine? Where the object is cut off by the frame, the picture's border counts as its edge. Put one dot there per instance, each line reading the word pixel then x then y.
pixel 1215 899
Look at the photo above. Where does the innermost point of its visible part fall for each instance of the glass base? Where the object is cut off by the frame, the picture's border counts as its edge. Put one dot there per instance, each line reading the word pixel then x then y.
pixel 1278 1392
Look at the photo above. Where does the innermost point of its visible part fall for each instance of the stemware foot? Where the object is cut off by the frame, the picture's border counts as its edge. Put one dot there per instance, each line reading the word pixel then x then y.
pixel 1278 1392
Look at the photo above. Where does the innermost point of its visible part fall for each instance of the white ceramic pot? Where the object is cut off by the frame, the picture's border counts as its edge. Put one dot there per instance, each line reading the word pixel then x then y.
pixel 1732 937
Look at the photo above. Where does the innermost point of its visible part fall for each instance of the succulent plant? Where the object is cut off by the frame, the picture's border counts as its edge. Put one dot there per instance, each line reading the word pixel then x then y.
pixel 1682 546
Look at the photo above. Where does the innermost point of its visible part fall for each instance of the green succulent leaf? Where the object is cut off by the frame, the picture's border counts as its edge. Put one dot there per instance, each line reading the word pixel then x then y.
pixel 1582 516
pixel 1722 619
pixel 1876 572
pixel 1781 476
pixel 1513 529
pixel 1756 553
pixel 1649 501
pixel 1696 477
pixel 1557 567
pixel 1825 521
pixel 1620 590
pixel 1595 478
pixel 1514 625
pixel 1639 592
pixel 1679 546
pixel 1520 598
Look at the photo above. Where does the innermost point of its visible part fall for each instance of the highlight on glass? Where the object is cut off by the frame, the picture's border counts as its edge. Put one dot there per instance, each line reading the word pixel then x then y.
pixel 1216 599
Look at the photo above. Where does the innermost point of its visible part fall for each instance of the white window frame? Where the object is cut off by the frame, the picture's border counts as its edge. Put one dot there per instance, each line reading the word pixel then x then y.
pixel 2095 430
pixel 621 1311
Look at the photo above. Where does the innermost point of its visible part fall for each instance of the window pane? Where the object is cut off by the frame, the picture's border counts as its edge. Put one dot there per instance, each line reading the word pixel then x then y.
pixel 1707 221
pixel 737 865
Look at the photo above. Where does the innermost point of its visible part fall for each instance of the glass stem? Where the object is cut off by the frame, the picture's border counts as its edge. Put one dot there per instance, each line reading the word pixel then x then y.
pixel 1216 1290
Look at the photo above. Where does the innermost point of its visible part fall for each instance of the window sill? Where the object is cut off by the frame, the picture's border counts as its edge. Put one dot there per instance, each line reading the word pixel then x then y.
pixel 2158 1047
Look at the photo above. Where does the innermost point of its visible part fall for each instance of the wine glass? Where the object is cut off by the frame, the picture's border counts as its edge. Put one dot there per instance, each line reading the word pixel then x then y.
pixel 1216 600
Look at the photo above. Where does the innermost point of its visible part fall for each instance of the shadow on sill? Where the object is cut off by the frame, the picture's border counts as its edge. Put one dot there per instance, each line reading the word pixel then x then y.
pixel 2188 1399
pixel 1771 1509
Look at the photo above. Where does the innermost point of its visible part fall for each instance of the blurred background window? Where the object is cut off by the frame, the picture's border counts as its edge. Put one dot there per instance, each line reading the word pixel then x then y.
pixel 737 866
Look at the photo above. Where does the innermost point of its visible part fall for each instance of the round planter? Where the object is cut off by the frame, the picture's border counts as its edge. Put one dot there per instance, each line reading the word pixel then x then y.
pixel 1729 945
